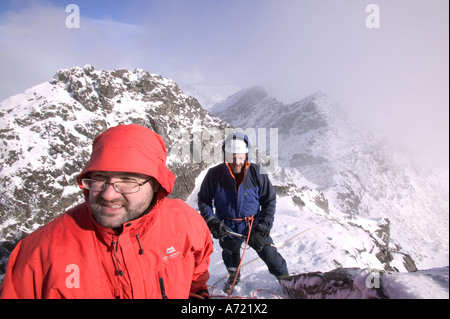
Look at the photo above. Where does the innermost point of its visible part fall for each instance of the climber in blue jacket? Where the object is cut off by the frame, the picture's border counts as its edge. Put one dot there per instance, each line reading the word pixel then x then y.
pixel 236 197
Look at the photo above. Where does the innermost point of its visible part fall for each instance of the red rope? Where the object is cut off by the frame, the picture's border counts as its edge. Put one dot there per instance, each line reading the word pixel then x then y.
pixel 250 225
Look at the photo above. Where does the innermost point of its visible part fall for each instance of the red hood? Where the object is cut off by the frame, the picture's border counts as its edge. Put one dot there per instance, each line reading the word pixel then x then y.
pixel 131 148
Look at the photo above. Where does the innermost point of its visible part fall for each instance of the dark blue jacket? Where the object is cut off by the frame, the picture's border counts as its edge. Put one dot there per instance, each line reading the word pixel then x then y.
pixel 255 197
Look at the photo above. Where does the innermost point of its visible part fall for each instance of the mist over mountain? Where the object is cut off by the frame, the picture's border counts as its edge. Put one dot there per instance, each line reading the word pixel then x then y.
pixel 357 171
pixel 374 207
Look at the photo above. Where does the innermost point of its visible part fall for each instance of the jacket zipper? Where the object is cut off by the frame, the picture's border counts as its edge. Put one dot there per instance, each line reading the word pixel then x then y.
pixel 141 250
pixel 161 285
pixel 115 247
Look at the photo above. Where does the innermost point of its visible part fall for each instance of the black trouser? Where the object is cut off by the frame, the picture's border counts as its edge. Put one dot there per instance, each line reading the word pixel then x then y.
pixel 231 255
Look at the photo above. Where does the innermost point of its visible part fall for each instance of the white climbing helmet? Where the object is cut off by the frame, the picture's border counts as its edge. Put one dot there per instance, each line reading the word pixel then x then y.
pixel 236 143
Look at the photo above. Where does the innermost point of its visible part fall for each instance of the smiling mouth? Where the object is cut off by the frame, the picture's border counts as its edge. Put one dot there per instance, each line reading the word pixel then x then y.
pixel 112 208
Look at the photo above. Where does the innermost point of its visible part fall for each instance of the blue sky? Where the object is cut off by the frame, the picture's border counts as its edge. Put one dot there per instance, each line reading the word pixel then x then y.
pixel 99 9
pixel 395 77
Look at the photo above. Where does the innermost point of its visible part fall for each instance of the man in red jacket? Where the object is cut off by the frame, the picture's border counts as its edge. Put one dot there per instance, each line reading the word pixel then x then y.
pixel 127 240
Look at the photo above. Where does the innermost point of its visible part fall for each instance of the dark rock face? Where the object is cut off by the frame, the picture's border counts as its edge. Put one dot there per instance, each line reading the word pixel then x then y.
pixel 356 283
pixel 349 283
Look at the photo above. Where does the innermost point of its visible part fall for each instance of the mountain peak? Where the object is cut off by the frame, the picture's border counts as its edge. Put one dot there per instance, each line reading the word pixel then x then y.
pixel 245 97
pixel 254 93
pixel 318 95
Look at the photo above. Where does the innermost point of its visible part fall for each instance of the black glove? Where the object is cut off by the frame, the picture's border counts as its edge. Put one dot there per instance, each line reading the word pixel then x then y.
pixel 218 229
pixel 257 239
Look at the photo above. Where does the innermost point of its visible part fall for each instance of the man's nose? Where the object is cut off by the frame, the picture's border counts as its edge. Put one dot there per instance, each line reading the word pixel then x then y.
pixel 110 192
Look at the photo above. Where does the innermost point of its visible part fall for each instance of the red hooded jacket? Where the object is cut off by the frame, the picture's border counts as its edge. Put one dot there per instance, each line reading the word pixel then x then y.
pixel 163 254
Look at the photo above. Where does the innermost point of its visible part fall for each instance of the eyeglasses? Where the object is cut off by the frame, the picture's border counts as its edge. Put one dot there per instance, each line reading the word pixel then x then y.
pixel 124 187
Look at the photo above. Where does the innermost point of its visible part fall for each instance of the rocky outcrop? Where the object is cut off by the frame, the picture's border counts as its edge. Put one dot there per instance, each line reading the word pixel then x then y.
pixel 356 283
pixel 350 283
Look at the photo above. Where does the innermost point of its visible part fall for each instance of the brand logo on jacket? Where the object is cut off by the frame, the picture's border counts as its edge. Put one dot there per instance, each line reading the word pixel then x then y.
pixel 171 253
